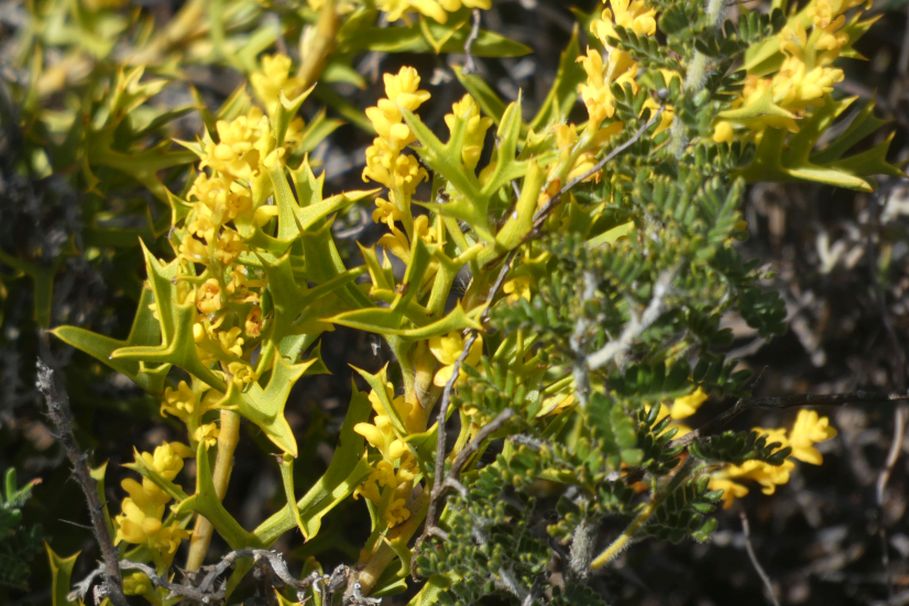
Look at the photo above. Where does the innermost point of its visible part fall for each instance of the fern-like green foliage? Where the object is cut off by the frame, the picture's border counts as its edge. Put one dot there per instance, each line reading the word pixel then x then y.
pixel 19 542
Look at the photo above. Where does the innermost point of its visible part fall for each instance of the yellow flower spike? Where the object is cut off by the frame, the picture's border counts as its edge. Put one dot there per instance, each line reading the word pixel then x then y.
pixel 142 512
pixel 618 67
pixel 224 198
pixel 475 128
pixel 686 406
pixel 242 145
pixel 403 88
pixel 385 161
pixel 273 79
pixel 809 428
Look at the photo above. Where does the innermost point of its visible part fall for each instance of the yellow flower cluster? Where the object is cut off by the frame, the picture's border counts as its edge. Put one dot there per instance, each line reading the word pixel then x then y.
pixel 810 42
pixel 604 69
pixel 274 82
pixel 141 521
pixel 390 483
pixel 434 9
pixel 809 429
pixel 614 65
pixel 225 205
pixel 386 162
pixel 185 404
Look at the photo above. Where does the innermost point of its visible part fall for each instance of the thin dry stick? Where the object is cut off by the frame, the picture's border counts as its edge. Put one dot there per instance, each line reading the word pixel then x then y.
pixel 438 476
pixel 58 410
pixel 321 45
pixel 474 445
pixel 899 367
pixel 206 592
pixel 441 439
pixel 768 585
pixel 883 478
pixel 636 325
pixel 470 65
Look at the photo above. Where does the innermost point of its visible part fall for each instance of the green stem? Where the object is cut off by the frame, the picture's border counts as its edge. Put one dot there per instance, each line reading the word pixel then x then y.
pixel 228 437
pixel 321 45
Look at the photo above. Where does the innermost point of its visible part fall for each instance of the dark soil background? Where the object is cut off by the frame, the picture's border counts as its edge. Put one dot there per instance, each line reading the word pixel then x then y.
pixel 836 534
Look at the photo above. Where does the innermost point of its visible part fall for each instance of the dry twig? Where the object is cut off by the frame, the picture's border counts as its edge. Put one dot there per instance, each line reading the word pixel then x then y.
pixel 58 411
pixel 768 585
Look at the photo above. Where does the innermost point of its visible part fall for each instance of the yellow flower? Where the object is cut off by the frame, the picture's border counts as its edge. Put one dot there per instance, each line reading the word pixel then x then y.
pixel 241 373
pixel 167 459
pixel 386 212
pixel 179 402
pixel 723 132
pixel 595 91
pixel 208 296
pixel 243 143
pixel 391 478
pixel 136 583
pixel 795 86
pixel 392 168
pixel 686 406
pixel 252 325
pixel 206 434
pixel 633 15
pixel 447 349
pixel 142 512
pixel 274 79
pixel 224 198
pixel 732 490
pixel 396 513
pixel 517 288
pixel 475 126
pixel 808 429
